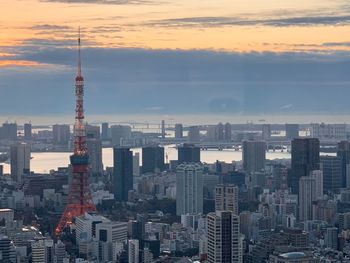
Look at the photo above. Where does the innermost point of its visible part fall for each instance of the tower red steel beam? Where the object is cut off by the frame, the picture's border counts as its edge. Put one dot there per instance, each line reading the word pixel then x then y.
pixel 79 197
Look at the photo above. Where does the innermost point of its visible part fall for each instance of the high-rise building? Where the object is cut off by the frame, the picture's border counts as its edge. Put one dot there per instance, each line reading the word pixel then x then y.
pixel 86 226
pixel 178 131
pixel 152 159
pixel 60 251
pixel 194 134
pixel 1 170
pixel 305 158
pixel 93 132
pixel 120 132
pixel 94 147
pixel 331 238
pixel 27 131
pixel 112 231
pixel 226 198
pixel 224 241
pixel 133 251
pixel 163 133
pixel 220 132
pixel 292 131
pixel 228 132
pixel 136 164
pixel 5 249
pixel 344 153
pixel 266 132
pixel 123 173
pixel 189 189
pixel 188 153
pixel 38 251
pixel 307 195
pixel 332 172
pixel 9 131
pixel 254 156
pixel 317 175
pixel 61 134
pixel 104 133
pixel 20 161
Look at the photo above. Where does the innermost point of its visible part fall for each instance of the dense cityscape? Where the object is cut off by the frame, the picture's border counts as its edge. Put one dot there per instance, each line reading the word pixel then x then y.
pixel 149 208
pixel 161 131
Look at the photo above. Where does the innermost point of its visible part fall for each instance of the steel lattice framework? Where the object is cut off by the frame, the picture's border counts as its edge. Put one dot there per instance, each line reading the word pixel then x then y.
pixel 79 198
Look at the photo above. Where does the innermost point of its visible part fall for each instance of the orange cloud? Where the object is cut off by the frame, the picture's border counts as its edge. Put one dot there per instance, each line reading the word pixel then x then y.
pixel 18 63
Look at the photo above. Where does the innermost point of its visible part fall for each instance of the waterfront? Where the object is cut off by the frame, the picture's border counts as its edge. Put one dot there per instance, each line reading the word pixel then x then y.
pixel 45 161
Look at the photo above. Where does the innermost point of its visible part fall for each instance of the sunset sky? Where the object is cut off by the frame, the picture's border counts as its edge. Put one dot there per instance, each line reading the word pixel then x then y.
pixel 136 47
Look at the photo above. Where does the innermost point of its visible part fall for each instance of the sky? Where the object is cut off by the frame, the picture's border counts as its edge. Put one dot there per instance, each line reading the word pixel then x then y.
pixel 162 57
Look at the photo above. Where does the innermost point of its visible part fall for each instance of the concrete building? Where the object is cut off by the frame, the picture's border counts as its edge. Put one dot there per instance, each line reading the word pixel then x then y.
pixel 305 158
pixel 20 161
pixel 86 226
pixel 194 134
pixel 61 134
pixel 133 251
pixel 27 131
pixel 9 131
pixel 226 198
pixel 122 173
pixel 343 153
pixel 178 131
pixel 266 132
pixel 292 131
pixel 228 132
pixel 324 131
pixel 38 251
pixel 224 242
pixel 188 153
pixel 331 238
pixel 112 231
pixel 7 215
pixel 136 164
pixel 317 175
pixel 189 189
pixel 120 132
pixel 254 156
pixel 307 195
pixel 293 257
pixel 332 173
pixel 105 131
pixel 152 159
pixel 94 147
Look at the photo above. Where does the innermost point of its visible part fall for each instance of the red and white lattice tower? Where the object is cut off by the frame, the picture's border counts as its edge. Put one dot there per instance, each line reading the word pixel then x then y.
pixel 79 198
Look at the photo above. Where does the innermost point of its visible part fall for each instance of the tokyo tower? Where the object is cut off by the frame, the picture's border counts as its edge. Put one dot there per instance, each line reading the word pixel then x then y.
pixel 79 197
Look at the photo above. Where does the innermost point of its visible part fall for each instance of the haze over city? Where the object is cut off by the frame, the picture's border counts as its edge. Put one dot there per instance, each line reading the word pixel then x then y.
pixel 188 131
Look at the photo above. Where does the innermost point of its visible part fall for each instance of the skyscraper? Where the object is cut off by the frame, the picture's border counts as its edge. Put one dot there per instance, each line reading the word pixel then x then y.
pixel 344 153
pixel 188 153
pixel 9 131
pixel 254 156
pixel 266 132
pixel 104 133
pixel 220 132
pixel 123 173
pixel 189 189
pixel 178 131
pixel 133 251
pixel 224 242
pixel 163 129
pixel 20 161
pixel 94 147
pixel 332 173
pixel 305 158
pixel 61 134
pixel 226 198
pixel 292 131
pixel 307 194
pixel 228 132
pixel 27 131
pixel 120 132
pixel 152 159
pixel 194 134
